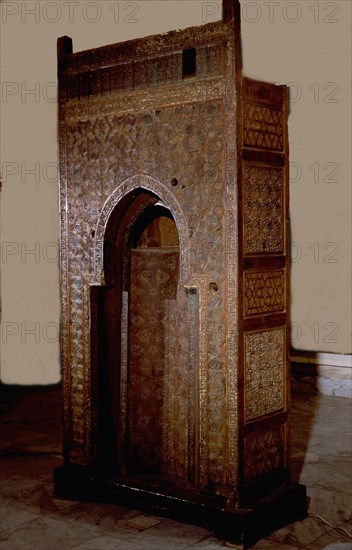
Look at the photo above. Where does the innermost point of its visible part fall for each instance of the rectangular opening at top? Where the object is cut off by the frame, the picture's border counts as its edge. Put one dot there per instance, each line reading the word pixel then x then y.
pixel 189 62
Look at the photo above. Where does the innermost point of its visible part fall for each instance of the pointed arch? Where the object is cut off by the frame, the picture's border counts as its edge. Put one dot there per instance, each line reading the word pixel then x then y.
pixel 168 199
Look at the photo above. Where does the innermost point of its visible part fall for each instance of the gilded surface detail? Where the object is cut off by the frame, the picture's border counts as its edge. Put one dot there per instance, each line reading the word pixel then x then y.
pixel 264 372
pixel 263 210
pixel 264 292
pixel 264 453
pixel 262 127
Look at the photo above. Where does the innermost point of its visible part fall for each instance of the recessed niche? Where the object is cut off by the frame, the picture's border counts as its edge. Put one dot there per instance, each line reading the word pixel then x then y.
pixel 189 62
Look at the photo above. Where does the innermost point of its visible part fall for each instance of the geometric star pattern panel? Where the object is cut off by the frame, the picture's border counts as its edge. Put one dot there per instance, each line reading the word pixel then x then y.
pixel 264 372
pixel 264 292
pixel 263 127
pixel 264 453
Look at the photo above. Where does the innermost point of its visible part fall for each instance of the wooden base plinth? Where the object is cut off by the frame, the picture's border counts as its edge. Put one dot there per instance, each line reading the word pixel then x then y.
pixel 163 496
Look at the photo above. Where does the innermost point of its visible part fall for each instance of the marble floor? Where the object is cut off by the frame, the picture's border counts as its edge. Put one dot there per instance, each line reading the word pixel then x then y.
pixel 32 518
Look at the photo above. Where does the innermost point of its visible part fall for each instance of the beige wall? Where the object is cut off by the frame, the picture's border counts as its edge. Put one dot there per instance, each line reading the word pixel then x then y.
pixel 305 43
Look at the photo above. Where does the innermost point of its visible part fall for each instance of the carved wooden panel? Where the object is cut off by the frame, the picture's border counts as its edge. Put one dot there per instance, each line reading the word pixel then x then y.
pixel 104 151
pixel 178 406
pixel 264 453
pixel 154 279
pixel 264 292
pixel 263 230
pixel 264 372
pixel 192 151
pixel 265 282
pixel 262 127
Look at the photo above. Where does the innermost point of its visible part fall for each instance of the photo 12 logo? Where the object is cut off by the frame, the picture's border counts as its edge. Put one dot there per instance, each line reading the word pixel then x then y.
pixel 70 12
pixel 317 92
pixel 29 172
pixel 25 92
pixel 271 11
pixel 25 332
pixel 25 252
pixel 326 333
pixel 290 12
pixel 319 172
pixel 317 252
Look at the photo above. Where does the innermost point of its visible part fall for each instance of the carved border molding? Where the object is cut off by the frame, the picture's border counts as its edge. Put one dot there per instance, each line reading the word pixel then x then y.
pixel 231 351
pixel 142 181
pixel 199 286
pixel 141 101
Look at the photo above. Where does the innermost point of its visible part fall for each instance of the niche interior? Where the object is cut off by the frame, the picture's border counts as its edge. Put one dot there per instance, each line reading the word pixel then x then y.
pixel 175 281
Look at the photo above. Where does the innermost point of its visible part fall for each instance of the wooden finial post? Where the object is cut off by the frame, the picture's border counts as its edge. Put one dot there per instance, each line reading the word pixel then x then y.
pixel 64 46
pixel 231 9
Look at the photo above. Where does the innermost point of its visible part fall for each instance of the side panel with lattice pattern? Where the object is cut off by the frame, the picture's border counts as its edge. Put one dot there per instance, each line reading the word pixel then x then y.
pixel 264 242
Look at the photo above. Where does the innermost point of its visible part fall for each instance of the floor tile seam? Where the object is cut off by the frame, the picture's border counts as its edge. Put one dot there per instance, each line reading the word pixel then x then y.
pixel 331 530
pixel 307 546
pixel 344 523
pixel 327 529
pixel 8 494
pixel 141 543
pixel 327 456
pixel 101 535
pixel 330 489
pixel 20 526
pixel 116 535
pixel 93 529
pixel 202 540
